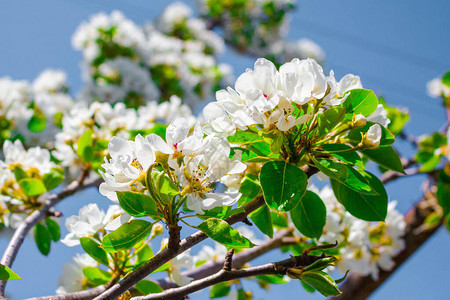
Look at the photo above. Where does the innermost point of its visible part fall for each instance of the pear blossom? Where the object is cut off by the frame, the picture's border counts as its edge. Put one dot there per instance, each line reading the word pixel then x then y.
pixel 182 261
pixel 72 277
pixel 90 219
pixel 379 116
pixel 436 88
pixel 373 136
pixel 127 166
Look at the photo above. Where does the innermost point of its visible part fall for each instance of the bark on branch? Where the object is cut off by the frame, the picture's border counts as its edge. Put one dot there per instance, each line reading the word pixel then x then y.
pixel 272 268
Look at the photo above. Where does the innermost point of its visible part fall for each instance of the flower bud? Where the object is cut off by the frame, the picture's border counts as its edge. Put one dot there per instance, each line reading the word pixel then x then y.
pixel 372 138
pixel 358 121
pixel 156 230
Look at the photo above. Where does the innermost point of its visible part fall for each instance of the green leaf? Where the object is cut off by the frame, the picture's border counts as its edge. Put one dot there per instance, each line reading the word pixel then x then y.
pixel 244 137
pixel 322 282
pixel 361 101
pixel 96 275
pixel 223 233
pixel 263 220
pixel 329 119
pixel 53 179
pixel 32 186
pixel 37 122
pixel 385 157
pixel 387 138
pixel 146 287
pixel 137 204
pixel 279 220
pixel 339 151
pixel 85 148
pixel 249 189
pixel 7 274
pixel 43 238
pixel 446 79
pixel 144 254
pixel 221 289
pixel 53 229
pixel 443 192
pixel 273 279
pixel 165 187
pixel 398 119
pixel 309 215
pixel 283 185
pixel 321 264
pixel 127 236
pixel 308 287
pixel 19 173
pixel 362 206
pixel 346 175
pixel 93 249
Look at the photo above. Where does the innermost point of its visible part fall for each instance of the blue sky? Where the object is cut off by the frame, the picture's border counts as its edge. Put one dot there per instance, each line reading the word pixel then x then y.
pixel 395 47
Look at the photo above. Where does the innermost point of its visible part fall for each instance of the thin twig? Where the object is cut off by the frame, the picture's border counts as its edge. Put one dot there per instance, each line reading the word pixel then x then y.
pixel 26 225
pixel 228 260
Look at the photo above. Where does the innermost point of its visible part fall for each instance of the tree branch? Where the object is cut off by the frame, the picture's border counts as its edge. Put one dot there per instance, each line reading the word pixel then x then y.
pixel 360 287
pixel 392 175
pixel 239 259
pixel 272 268
pixel 26 225
pixel 169 253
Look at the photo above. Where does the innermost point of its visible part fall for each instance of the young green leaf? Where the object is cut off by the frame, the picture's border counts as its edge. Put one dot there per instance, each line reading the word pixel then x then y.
pixel 340 151
pixel 249 190
pixel 363 206
pixel 361 101
pixel 53 229
pixel 32 186
pixel 329 119
pixel 223 233
pixel 85 148
pixel 322 282
pixel 37 122
pixel 283 185
pixel 309 215
pixel 244 137
pixel 93 249
pixel 7 274
pixel 219 290
pixel 146 287
pixel 273 279
pixel 137 204
pixel 385 157
pixel 19 173
pixel 144 254
pixel 96 275
pixel 127 236
pixel 53 178
pixel 263 220
pixel 165 187
pixel 43 238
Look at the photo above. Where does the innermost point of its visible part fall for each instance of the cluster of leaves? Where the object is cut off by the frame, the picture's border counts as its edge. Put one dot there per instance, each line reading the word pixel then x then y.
pixel 249 23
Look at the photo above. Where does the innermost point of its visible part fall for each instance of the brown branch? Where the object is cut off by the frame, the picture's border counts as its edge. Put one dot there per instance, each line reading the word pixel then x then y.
pixel 169 253
pixel 360 287
pixel 82 295
pixel 392 175
pixel 26 225
pixel 228 260
pixel 239 259
pixel 281 268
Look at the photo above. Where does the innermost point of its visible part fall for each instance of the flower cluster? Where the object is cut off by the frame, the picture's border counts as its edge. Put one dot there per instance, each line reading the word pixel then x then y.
pixel 21 175
pixel 364 247
pixel 34 110
pixel 276 98
pixel 174 56
pixel 197 163
pixel 104 121
pixel 259 27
